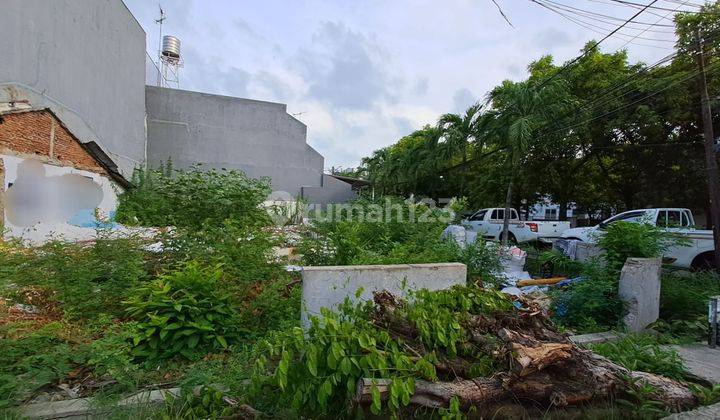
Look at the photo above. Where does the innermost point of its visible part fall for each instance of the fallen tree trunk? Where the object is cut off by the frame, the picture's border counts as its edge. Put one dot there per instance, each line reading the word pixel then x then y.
pixel 542 366
pixel 606 379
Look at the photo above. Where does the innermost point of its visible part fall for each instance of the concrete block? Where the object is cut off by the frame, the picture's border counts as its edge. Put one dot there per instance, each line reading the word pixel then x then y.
pixel 79 407
pixel 329 286
pixel 640 290
pixel 595 338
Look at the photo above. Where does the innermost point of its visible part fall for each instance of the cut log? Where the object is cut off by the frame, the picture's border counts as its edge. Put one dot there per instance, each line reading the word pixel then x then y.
pixel 558 386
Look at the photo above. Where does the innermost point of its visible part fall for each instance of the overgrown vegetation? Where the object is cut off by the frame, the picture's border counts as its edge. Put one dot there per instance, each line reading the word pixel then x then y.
pixel 642 352
pixel 194 198
pixel 394 232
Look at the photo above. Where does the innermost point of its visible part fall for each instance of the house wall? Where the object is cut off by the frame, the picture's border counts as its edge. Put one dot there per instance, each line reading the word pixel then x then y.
pixel 85 58
pixel 48 182
pixel 43 200
pixel 332 191
pixel 258 137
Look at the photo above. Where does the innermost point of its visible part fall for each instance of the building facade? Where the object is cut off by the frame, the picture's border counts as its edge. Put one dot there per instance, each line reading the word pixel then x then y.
pixel 84 63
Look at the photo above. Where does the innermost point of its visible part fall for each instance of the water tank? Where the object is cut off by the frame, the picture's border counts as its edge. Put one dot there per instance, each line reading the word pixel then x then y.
pixel 171 46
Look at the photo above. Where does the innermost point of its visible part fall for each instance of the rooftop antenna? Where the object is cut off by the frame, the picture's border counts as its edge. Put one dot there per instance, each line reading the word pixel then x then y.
pixel 160 22
pixel 169 56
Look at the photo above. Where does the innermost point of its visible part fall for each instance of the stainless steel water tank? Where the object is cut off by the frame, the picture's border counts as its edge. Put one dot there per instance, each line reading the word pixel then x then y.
pixel 171 46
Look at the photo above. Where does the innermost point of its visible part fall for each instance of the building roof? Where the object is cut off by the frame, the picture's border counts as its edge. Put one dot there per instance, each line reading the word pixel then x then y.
pixel 91 147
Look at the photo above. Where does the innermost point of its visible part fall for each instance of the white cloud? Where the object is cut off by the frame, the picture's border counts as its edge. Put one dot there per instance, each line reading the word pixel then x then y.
pixel 365 74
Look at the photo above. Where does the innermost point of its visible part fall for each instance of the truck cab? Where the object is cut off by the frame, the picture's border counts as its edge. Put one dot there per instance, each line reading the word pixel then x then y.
pixel 697 255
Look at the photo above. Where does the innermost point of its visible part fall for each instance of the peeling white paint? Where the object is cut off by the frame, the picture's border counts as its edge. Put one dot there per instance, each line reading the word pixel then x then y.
pixel 44 200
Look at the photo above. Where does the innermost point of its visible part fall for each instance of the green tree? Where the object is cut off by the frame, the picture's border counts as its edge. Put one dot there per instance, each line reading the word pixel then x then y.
pixel 521 109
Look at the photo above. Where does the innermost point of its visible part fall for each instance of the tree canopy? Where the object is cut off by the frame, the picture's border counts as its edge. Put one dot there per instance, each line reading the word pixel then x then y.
pixel 603 133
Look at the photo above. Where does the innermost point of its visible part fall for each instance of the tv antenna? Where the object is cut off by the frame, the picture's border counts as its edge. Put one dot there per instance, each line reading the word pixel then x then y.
pixel 169 58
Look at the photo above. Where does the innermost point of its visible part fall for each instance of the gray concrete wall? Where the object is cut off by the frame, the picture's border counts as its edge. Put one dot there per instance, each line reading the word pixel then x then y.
pixel 258 137
pixel 87 56
pixel 327 287
pixel 332 191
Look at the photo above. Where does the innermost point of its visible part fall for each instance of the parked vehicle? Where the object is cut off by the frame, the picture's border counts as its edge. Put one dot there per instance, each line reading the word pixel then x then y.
pixel 697 255
pixel 489 224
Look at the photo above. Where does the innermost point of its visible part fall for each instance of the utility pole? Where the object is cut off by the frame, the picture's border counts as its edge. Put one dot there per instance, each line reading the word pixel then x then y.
pixel 710 154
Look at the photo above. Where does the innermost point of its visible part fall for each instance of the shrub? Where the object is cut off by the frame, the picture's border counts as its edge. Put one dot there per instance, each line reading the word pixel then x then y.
pixel 29 361
pixel 392 236
pixel 686 297
pixel 642 352
pixel 640 240
pixel 591 305
pixel 317 373
pixel 183 313
pixel 243 252
pixel 193 198
pixel 85 279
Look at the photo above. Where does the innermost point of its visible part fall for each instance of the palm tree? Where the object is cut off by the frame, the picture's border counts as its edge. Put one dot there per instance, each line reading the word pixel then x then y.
pixel 460 131
pixel 520 110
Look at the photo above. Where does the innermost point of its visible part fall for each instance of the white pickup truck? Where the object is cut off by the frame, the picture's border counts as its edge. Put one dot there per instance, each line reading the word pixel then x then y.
pixel 489 223
pixel 697 255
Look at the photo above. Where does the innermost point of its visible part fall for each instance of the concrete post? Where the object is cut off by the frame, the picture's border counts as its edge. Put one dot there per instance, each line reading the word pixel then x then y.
pixel 640 290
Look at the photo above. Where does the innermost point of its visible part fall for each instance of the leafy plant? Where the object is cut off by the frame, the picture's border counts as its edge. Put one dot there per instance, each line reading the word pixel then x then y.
pixel 591 305
pixel 621 240
pixel 641 400
pixel 203 403
pixel 705 395
pixel 183 312
pixel 29 361
pixel 85 279
pixel 193 198
pixel 317 372
pixel 641 352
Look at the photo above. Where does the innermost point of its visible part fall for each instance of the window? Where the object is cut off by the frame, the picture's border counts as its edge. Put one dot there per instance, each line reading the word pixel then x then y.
pixel 631 216
pixel 479 215
pixel 686 219
pixel 513 214
pixel 674 218
pixel 551 214
pixel 498 214
pixel 661 219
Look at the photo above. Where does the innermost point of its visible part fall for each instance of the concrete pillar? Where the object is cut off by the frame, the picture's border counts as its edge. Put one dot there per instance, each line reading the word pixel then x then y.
pixel 640 290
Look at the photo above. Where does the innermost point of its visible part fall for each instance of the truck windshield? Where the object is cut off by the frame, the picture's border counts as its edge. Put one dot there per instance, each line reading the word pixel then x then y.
pixel 479 215
pixel 631 216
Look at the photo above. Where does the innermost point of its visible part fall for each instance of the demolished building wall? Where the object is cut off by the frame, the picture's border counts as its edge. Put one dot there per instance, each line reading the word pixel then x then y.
pixel 87 56
pixel 50 184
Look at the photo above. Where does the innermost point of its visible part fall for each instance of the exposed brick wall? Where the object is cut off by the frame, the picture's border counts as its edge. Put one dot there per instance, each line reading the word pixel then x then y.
pixel 39 134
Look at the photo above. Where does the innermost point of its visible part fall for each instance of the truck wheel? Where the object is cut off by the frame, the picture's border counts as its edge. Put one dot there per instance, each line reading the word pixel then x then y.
pixel 511 239
pixel 703 262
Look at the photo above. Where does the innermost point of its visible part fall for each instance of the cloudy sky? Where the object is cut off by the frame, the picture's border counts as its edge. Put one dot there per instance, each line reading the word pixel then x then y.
pixel 361 74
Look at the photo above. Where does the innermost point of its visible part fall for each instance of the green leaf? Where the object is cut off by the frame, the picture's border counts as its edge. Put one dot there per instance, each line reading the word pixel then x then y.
pixel 220 339
pixel 376 406
pixel 193 340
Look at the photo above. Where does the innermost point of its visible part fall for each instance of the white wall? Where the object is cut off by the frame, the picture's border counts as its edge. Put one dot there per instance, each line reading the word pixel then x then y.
pixel 43 200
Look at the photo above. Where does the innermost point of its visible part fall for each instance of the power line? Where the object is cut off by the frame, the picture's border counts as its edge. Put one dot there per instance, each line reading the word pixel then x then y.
pixel 714 67
pixel 594 47
pixel 658 21
pixel 589 13
pixel 630 3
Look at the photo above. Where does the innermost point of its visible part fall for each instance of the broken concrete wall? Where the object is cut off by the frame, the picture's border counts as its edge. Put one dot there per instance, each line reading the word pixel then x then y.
pixel 327 287
pixel 42 200
pixel 639 289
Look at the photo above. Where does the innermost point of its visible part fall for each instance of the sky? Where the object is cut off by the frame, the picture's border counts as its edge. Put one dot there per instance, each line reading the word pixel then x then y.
pixel 362 74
